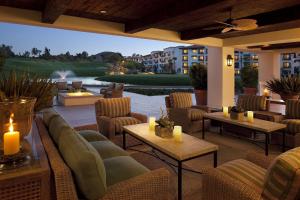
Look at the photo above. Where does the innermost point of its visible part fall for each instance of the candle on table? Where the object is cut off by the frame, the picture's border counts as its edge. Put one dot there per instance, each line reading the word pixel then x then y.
pixel 266 92
pixel 152 123
pixel 177 133
pixel 225 111
pixel 11 140
pixel 250 116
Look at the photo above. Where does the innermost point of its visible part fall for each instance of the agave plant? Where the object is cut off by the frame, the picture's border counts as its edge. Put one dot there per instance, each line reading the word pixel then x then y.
pixel 285 86
pixel 13 85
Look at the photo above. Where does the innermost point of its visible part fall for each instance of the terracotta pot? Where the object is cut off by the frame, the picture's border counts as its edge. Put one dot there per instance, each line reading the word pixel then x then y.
pixel 250 91
pixel 285 97
pixel 201 97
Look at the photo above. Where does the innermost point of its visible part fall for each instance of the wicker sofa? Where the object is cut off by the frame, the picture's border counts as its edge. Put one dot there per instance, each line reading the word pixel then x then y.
pixel 85 165
pixel 182 112
pixel 257 178
pixel 112 114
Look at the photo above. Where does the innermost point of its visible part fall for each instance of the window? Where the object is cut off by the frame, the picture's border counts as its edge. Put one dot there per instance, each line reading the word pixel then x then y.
pixel 185 71
pixel 254 57
pixel 255 64
pixel 286 56
pixel 184 58
pixel 185 64
pixel 194 57
pixel 236 57
pixel 201 58
pixel 185 51
pixel 194 50
pixel 201 51
pixel 286 64
pixel 237 72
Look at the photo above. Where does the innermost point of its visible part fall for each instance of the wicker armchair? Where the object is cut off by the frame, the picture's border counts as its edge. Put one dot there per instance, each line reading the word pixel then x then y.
pixel 182 112
pixel 112 114
pixel 113 91
pixel 256 178
pixel 76 85
pixel 153 185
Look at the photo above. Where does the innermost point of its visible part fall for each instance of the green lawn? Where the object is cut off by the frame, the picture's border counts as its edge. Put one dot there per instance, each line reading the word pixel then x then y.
pixel 47 67
pixel 154 79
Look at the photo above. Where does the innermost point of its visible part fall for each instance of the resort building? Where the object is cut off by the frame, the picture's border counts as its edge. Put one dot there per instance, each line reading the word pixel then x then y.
pixel 290 63
pixel 242 59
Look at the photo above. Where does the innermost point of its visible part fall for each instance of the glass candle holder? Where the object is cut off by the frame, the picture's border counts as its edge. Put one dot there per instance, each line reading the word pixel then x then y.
pixel 17 113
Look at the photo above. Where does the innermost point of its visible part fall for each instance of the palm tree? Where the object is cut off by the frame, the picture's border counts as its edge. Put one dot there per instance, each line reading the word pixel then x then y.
pixel 34 51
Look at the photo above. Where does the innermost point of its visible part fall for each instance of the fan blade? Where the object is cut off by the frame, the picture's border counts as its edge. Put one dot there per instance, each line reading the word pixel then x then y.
pixel 245 28
pixel 231 25
pixel 244 22
pixel 225 30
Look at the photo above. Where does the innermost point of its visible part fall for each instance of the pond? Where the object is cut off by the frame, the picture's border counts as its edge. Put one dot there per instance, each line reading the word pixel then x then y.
pixel 88 81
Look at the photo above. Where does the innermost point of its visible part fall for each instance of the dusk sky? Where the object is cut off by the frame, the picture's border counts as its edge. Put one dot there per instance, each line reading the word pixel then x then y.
pixel 23 37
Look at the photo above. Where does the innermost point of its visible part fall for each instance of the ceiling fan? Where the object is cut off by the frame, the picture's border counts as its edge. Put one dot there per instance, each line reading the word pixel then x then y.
pixel 235 24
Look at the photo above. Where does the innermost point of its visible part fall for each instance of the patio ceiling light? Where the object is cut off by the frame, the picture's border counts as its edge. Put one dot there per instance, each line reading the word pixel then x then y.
pixel 103 11
pixel 229 60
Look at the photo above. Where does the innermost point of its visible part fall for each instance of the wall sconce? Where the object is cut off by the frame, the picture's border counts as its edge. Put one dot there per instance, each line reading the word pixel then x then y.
pixel 229 61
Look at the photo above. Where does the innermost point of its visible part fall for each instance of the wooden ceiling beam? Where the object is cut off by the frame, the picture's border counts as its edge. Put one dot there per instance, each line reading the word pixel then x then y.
pixel 178 8
pixel 291 45
pixel 266 21
pixel 53 9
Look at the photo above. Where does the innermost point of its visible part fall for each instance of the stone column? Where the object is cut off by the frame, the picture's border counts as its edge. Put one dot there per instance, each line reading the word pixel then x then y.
pixel 220 77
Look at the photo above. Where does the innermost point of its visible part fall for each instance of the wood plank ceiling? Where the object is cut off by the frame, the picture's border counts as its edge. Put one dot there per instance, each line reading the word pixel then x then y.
pixel 192 18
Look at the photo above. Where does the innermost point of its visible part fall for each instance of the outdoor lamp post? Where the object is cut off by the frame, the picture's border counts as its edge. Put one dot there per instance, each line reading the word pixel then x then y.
pixel 229 60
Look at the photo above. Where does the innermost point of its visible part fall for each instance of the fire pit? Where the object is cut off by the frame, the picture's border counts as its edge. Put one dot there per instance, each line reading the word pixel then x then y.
pixel 78 98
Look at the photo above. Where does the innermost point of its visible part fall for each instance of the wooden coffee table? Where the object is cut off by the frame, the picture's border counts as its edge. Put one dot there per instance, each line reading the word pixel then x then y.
pixel 262 126
pixel 190 147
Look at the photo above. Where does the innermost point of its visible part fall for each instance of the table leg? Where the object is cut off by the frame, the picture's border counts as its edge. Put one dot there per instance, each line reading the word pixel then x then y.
pixel 221 129
pixel 124 140
pixel 267 144
pixel 179 180
pixel 215 159
pixel 283 141
pixel 203 128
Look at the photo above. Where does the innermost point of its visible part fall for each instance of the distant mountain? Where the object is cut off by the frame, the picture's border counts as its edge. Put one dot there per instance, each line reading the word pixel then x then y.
pixel 109 57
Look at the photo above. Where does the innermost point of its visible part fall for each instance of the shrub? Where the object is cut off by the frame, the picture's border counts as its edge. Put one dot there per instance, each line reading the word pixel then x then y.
pixel 198 75
pixel 249 76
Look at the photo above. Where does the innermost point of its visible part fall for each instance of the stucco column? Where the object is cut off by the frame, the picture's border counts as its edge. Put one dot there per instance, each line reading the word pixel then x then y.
pixel 269 68
pixel 220 78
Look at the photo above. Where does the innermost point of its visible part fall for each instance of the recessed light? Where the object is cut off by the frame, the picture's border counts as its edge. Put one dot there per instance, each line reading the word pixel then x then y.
pixel 103 11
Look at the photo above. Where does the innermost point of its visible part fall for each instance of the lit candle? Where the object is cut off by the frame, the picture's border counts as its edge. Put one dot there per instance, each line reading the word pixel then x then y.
pixel 225 111
pixel 177 133
pixel 152 123
pixel 250 116
pixel 266 92
pixel 11 140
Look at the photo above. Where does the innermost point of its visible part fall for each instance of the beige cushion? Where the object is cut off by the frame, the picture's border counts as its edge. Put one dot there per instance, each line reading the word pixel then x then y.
pixel 293 125
pixel 252 102
pixel 293 109
pixel 196 114
pixel 283 177
pixel 181 100
pixel 113 107
pixel 57 127
pixel 246 172
pixel 91 135
pixel 86 165
pixel 48 114
pixel 107 149
pixel 123 121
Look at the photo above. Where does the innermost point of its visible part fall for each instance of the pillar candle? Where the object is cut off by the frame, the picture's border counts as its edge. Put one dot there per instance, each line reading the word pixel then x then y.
pixel 152 123
pixel 250 116
pixel 11 140
pixel 177 133
pixel 225 111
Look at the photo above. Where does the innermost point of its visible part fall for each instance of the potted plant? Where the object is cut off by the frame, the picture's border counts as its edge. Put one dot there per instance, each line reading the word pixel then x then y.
pixel 249 78
pixel 288 87
pixel 165 126
pixel 198 75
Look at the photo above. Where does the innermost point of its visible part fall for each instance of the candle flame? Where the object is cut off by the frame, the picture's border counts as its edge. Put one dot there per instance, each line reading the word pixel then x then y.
pixel 11 127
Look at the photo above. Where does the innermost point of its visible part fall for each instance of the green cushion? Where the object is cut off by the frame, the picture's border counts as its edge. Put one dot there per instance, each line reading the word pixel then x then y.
pixel 283 176
pixel 57 127
pixel 107 149
pixel 86 165
pixel 122 168
pixel 48 114
pixel 91 135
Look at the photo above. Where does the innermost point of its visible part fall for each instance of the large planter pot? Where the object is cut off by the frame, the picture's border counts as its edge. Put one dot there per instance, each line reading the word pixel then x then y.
pixel 250 91
pixel 285 97
pixel 201 97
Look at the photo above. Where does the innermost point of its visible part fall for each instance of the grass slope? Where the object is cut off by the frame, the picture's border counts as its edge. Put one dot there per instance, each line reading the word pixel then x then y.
pixel 151 79
pixel 47 67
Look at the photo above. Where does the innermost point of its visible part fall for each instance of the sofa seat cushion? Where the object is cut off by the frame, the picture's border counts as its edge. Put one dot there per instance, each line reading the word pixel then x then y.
pixel 107 149
pixel 122 168
pixel 283 177
pixel 293 125
pixel 123 121
pixel 86 165
pixel 246 172
pixel 196 114
pixel 91 135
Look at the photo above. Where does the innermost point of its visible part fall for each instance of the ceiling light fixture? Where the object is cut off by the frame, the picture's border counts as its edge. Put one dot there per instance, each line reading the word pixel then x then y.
pixel 103 11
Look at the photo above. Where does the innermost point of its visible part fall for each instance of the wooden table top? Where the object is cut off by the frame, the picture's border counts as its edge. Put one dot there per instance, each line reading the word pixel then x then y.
pixel 257 125
pixel 188 148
